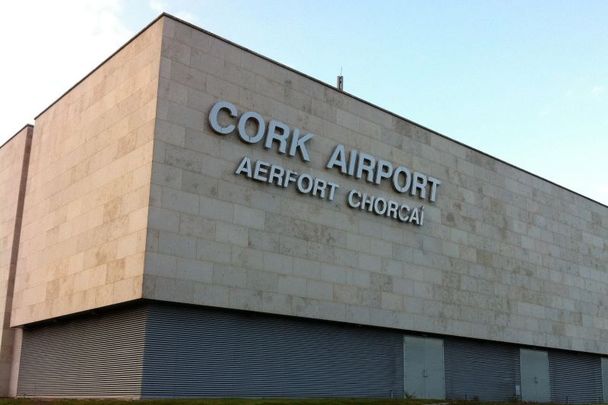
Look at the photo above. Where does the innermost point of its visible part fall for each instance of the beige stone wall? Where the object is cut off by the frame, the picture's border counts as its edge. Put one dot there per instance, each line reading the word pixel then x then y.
pixel 14 155
pixel 502 255
pixel 86 205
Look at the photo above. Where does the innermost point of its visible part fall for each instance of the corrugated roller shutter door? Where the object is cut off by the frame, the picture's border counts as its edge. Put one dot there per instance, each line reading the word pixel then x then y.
pixel 204 352
pixel 575 377
pixel 482 370
pixel 92 355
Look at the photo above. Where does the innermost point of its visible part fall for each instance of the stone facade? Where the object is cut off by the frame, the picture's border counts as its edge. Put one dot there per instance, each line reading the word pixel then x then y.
pixel 132 195
pixel 502 255
pixel 86 204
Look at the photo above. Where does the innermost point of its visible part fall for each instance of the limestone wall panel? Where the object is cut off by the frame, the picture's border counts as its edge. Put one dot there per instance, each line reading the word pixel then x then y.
pixel 86 205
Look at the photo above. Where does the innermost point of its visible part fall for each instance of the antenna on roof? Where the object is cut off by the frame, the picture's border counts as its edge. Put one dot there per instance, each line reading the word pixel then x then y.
pixel 340 83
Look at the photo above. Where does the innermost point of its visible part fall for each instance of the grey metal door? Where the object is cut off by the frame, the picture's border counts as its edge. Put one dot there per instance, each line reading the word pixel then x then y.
pixel 535 385
pixel 605 378
pixel 424 372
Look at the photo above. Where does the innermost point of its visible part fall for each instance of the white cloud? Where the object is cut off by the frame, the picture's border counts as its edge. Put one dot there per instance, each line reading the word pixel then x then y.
pixel 159 6
pixel 47 47
pixel 598 90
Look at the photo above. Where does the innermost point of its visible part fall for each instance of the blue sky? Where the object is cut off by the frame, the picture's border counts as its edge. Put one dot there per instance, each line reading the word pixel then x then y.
pixel 525 81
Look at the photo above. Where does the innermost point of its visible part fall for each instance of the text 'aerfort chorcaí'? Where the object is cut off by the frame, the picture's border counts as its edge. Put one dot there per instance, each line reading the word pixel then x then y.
pixel 252 128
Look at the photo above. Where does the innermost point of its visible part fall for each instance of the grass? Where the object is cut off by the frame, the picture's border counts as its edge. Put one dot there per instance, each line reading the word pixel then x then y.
pixel 223 401
pixel 243 401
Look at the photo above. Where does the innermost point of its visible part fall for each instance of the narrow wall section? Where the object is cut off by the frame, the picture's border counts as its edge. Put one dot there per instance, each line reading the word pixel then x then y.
pixel 14 161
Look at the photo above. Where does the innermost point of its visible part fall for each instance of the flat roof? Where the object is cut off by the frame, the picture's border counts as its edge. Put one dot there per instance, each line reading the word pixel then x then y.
pixel 316 81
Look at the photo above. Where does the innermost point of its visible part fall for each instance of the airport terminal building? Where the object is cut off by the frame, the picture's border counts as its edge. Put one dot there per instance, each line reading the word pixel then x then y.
pixel 193 219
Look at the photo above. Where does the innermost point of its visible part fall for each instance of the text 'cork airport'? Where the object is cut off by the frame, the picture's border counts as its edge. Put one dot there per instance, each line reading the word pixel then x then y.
pixel 193 219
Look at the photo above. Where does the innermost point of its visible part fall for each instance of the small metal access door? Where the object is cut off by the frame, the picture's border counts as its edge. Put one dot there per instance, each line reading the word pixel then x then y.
pixel 535 385
pixel 424 371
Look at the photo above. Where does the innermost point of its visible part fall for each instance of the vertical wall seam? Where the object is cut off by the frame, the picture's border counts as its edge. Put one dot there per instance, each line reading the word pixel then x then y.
pixel 18 221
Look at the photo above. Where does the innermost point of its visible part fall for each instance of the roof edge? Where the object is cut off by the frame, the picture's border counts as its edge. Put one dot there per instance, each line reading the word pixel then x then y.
pixel 16 133
pixel 314 79
pixel 133 38
pixel 376 106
